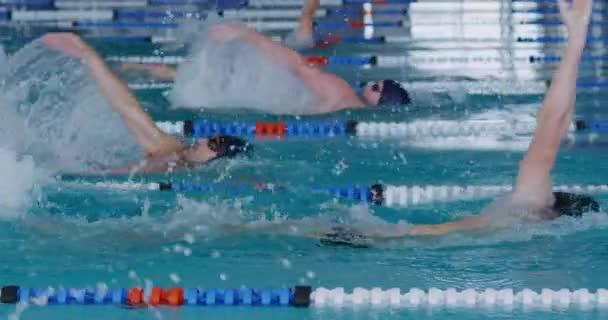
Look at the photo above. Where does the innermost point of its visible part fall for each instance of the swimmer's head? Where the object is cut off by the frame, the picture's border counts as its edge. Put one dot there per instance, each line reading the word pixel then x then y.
pixel 570 204
pixel 216 147
pixel 385 92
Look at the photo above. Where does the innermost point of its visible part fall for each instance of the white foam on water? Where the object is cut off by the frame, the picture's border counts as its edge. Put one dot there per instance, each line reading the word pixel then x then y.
pixel 216 220
pixel 3 63
pixel 52 120
pixel 19 179
pixel 236 74
pixel 52 111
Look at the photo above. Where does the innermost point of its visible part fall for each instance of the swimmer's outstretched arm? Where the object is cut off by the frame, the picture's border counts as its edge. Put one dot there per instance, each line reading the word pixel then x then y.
pixel 556 112
pixel 148 135
pixel 304 32
pixel 533 183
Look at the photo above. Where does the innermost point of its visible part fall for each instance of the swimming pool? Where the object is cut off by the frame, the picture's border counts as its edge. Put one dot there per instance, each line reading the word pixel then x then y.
pixel 67 231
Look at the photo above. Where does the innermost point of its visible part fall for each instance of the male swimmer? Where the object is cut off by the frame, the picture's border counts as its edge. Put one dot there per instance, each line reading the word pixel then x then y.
pixel 163 153
pixel 532 198
pixel 237 62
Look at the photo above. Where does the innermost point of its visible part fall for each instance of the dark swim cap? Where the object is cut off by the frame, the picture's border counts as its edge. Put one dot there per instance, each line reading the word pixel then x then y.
pixel 227 146
pixel 571 204
pixel 393 94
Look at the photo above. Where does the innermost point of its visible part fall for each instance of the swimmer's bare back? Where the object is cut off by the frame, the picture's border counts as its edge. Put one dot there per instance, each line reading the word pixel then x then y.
pixel 333 92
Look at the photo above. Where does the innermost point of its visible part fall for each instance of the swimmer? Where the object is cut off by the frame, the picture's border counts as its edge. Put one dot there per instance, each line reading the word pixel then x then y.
pixel 302 36
pixel 163 153
pixel 328 92
pixel 532 198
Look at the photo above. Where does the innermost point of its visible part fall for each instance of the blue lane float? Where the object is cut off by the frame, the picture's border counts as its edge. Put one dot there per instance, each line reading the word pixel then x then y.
pixel 367 194
pixel 298 296
pixel 338 128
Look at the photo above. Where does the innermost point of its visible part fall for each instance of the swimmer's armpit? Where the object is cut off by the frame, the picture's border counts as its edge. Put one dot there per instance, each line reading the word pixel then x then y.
pixel 159 72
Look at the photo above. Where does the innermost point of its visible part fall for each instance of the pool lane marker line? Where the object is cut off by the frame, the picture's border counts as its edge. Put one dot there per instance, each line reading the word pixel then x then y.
pixel 306 296
pixel 379 194
pixel 99 18
pixel 385 61
pixel 388 39
pixel 278 26
pixel 331 129
pixel 102 13
pixel 109 14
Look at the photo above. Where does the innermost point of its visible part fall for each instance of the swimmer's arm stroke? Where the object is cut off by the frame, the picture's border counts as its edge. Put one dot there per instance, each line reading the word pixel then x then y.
pixel 555 115
pixel 147 134
pixel 553 122
pixel 333 92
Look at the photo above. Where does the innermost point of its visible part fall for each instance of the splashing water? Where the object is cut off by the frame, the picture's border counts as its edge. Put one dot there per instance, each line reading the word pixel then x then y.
pixel 235 74
pixel 207 222
pixel 51 110
pixel 18 178
pixel 3 63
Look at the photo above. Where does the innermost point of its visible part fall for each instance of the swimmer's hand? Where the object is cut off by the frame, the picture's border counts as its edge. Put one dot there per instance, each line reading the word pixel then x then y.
pixel 576 16
pixel 68 43
pixel 227 32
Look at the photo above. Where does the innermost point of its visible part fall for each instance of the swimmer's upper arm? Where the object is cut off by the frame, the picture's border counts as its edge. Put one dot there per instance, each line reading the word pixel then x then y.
pixel 535 168
pixel 553 121
pixel 147 134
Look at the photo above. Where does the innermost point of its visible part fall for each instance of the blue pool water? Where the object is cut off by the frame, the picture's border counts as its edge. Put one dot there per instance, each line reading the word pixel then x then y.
pixel 60 229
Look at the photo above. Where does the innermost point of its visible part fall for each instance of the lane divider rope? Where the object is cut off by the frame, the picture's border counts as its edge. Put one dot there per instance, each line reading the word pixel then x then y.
pixel 327 129
pixel 384 61
pixel 306 296
pixel 379 194
pixel 501 87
